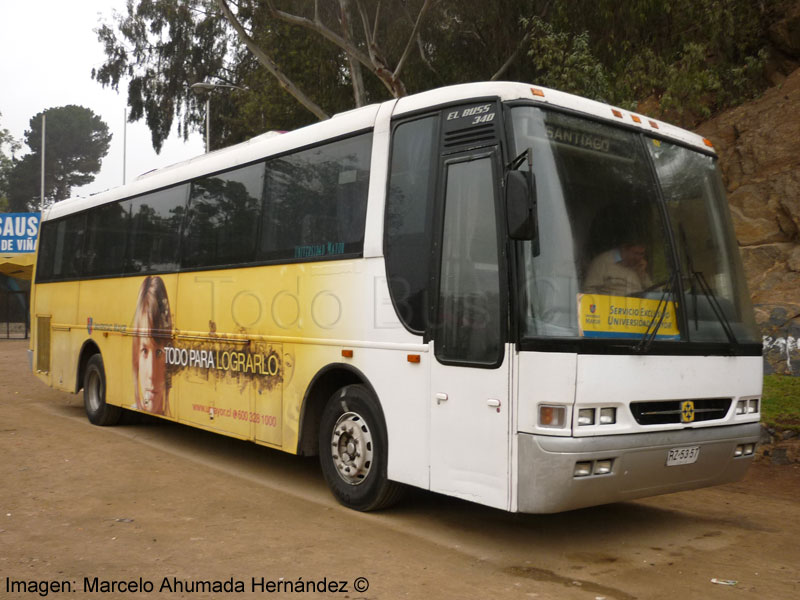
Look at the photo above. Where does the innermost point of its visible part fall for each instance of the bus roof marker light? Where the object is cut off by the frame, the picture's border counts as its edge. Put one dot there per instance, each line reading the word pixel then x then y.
pixel 347 353
pixel 616 113
pixel 636 119
pixel 708 143
pixel 537 92
pixel 653 124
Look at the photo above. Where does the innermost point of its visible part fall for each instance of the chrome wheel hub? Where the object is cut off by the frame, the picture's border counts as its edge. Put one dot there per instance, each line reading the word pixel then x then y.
pixel 351 448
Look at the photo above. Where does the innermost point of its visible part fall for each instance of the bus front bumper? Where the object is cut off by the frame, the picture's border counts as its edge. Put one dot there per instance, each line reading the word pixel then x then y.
pixel 548 480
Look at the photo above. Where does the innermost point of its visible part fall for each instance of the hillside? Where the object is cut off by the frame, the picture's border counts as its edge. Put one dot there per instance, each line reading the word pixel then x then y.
pixel 759 148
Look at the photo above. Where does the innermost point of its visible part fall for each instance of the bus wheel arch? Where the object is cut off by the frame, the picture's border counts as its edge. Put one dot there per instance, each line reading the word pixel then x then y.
pixel 325 383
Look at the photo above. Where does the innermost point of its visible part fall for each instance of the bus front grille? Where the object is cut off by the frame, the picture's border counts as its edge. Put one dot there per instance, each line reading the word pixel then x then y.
pixel 669 411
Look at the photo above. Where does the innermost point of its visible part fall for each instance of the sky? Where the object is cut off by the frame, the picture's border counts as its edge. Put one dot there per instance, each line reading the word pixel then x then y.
pixel 47 51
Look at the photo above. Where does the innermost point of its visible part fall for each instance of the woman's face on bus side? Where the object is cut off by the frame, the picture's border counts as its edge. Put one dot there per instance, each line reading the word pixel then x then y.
pixel 152 376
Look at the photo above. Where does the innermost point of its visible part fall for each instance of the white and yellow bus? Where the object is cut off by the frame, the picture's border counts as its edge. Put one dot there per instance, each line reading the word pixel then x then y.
pixel 499 292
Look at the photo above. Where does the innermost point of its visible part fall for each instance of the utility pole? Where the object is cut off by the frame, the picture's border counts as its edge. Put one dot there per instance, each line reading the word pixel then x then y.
pixel 41 198
pixel 124 143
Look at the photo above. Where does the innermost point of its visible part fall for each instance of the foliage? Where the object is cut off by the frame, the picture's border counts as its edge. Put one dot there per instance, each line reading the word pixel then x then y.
pixel 162 47
pixel 780 404
pixel 10 145
pixel 300 61
pixel 565 62
pixel 692 57
pixel 76 142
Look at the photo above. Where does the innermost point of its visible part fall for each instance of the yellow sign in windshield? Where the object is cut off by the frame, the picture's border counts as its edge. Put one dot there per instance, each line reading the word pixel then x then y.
pixel 624 317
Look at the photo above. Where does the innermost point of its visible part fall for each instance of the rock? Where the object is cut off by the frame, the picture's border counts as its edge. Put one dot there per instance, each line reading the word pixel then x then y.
pixel 759 148
pixel 779 457
pixel 766 438
pixel 794 260
pixel 785 34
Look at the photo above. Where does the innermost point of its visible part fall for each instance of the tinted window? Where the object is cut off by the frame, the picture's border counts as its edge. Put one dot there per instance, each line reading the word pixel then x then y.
pixel 105 244
pixel 61 253
pixel 47 250
pixel 223 216
pixel 155 230
pixel 469 289
pixel 408 219
pixel 315 202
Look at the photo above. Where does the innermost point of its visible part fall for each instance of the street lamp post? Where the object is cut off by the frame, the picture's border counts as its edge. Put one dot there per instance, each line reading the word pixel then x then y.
pixel 205 86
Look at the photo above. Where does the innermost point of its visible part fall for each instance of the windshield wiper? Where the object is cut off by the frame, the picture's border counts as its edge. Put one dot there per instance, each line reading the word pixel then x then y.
pixel 658 318
pixel 716 307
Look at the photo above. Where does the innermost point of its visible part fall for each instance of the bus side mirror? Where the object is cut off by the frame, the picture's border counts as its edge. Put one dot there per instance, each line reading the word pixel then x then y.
pixel 521 205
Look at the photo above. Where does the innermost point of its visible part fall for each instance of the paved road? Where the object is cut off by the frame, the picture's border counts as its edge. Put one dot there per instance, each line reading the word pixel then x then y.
pixel 82 507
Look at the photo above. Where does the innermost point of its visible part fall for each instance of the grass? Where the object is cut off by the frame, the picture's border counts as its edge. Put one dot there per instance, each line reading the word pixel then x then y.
pixel 780 404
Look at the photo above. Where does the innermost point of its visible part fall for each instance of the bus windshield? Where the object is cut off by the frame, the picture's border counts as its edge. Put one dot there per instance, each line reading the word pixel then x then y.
pixel 634 238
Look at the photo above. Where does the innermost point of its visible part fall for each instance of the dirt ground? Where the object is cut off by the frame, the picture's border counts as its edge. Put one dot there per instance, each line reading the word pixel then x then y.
pixel 159 504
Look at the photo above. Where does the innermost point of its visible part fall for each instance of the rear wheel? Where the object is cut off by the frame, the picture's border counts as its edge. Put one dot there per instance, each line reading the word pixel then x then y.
pixel 94 394
pixel 353 450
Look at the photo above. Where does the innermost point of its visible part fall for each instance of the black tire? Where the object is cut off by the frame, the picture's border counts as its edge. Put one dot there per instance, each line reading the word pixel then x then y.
pixel 353 450
pixel 94 394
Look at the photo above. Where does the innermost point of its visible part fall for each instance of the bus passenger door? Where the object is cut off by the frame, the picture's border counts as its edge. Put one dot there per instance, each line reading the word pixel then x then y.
pixel 470 386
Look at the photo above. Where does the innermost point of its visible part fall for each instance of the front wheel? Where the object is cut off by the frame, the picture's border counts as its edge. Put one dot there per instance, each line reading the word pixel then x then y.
pixel 94 394
pixel 353 450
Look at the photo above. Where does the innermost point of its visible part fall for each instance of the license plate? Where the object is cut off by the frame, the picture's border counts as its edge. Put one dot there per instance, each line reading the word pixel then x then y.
pixel 682 456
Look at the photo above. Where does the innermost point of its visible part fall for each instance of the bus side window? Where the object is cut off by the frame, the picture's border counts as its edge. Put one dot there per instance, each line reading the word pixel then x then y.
pixel 408 233
pixel 69 250
pixel 154 234
pixel 315 202
pixel 105 245
pixel 47 250
pixel 222 218
pixel 469 283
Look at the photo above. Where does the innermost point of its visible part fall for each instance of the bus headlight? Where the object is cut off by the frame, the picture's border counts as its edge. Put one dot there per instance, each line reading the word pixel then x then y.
pixel 586 416
pixel 603 467
pixel 741 407
pixel 552 416
pixel 752 406
pixel 744 450
pixel 608 416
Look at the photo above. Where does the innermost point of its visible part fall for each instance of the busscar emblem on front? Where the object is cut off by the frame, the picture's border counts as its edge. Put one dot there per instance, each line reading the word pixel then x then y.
pixel 687 411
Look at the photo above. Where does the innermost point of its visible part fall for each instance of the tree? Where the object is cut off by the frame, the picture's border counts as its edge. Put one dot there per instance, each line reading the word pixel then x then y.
pixel 300 61
pixel 10 145
pixel 687 58
pixel 76 142
pixel 309 53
